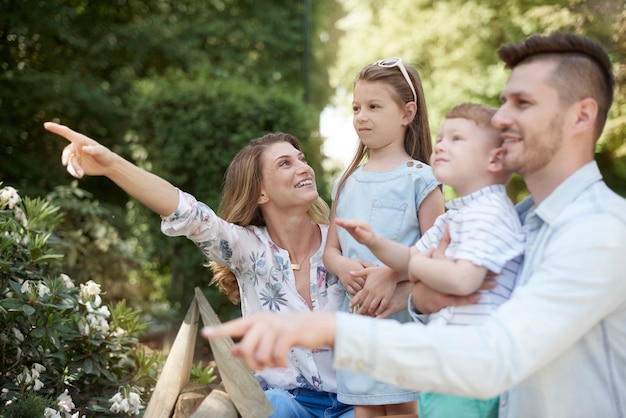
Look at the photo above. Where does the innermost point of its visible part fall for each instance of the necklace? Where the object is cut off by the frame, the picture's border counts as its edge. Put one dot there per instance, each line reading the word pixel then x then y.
pixel 298 264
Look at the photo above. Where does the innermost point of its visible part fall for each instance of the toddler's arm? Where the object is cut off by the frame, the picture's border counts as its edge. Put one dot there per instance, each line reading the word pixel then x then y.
pixel 455 277
pixel 391 253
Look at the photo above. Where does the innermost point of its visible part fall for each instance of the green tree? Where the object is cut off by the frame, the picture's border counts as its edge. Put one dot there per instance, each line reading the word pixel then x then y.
pixel 453 45
pixel 193 150
pixel 94 66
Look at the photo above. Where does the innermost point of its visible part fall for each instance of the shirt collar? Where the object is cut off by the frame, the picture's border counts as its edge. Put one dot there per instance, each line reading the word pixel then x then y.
pixel 459 202
pixel 563 195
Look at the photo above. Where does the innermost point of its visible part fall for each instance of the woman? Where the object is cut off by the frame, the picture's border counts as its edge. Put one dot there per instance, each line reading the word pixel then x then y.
pixel 267 247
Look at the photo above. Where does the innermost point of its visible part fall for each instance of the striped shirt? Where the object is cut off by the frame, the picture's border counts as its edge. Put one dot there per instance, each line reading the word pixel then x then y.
pixel 485 230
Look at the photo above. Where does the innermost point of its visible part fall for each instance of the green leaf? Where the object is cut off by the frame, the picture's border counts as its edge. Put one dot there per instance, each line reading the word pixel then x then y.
pixel 28 310
pixel 12 304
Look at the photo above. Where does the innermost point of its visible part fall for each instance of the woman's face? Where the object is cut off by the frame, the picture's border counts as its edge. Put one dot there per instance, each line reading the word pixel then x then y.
pixel 288 180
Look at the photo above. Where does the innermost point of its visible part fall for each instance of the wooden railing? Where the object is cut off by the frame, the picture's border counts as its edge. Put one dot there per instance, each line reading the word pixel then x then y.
pixel 239 394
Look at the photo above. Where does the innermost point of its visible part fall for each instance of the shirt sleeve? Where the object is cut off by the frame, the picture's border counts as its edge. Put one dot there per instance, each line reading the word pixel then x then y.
pixel 219 240
pixel 578 283
pixel 490 235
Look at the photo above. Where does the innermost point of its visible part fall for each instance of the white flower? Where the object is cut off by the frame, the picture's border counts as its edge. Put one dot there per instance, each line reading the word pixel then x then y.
pixel 83 327
pixel 65 402
pixel 38 385
pixel 25 287
pixel 97 323
pixel 43 289
pixel 21 218
pixel 51 413
pixel 9 197
pixel 18 334
pixel 30 378
pixel 129 403
pixel 116 398
pixel 89 291
pixel 67 281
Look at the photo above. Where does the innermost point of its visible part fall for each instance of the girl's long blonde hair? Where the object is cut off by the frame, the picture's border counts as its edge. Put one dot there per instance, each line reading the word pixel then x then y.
pixel 241 191
pixel 417 139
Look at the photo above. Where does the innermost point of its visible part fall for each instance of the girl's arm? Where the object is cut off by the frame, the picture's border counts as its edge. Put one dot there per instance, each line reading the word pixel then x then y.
pixel 341 266
pixel 86 156
pixel 430 209
pixel 455 277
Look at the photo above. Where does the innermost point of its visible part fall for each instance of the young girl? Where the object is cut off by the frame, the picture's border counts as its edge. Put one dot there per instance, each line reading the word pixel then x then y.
pixel 390 185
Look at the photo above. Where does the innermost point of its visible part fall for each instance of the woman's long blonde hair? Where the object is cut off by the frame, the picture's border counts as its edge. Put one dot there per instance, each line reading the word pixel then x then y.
pixel 240 194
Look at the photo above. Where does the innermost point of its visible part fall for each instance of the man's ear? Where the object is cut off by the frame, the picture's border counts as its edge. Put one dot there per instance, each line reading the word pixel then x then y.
pixel 586 115
pixel 496 160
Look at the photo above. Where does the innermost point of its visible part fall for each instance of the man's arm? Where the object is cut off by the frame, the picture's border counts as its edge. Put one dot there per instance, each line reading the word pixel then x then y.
pixel 540 322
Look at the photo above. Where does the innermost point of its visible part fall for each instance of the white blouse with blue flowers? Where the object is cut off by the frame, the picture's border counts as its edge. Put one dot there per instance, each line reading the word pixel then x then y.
pixel 266 284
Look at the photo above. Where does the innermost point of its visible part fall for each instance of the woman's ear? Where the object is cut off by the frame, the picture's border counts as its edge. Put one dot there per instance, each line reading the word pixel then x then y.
pixel 262 199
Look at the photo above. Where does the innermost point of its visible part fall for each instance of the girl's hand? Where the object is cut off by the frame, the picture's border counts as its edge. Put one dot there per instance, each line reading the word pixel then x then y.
pixel 83 155
pixel 376 295
pixel 352 282
pixel 398 302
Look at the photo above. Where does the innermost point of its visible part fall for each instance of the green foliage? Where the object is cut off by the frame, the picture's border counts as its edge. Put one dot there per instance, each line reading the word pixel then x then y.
pixel 202 374
pixel 54 335
pixel 195 125
pixel 97 245
pixel 77 61
pixel 29 406
pixel 460 63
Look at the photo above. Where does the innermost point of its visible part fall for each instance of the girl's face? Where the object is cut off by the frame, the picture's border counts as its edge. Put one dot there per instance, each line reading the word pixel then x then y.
pixel 378 118
pixel 288 179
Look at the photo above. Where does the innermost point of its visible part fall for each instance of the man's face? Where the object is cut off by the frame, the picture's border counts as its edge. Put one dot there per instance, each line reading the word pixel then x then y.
pixel 530 119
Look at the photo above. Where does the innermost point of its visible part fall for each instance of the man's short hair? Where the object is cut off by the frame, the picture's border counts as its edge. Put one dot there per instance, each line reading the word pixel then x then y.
pixel 583 68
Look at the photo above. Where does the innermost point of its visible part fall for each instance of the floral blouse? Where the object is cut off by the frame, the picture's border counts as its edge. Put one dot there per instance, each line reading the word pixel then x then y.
pixel 266 284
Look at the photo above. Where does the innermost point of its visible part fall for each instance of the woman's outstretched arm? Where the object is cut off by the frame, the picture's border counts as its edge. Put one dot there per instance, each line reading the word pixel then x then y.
pixel 84 155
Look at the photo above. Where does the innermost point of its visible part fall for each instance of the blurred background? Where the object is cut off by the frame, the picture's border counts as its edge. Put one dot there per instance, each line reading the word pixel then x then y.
pixel 179 86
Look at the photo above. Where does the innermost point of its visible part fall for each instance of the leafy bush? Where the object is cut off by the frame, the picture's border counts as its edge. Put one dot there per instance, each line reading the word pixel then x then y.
pixel 58 340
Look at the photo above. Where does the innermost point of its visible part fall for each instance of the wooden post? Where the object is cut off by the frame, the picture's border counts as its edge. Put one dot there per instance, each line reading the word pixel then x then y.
pixel 241 386
pixel 217 405
pixel 177 368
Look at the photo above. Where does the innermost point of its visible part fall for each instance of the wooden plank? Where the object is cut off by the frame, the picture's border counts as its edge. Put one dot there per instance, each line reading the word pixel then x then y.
pixel 243 389
pixel 177 368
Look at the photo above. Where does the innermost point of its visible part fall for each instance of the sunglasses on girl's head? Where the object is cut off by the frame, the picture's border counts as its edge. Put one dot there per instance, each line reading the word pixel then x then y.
pixel 397 62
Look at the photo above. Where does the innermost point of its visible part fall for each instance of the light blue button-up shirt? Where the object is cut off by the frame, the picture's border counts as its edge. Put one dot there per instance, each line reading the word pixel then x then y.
pixel 556 349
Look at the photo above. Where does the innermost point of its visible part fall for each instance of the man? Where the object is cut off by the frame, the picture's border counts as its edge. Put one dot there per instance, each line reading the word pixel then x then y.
pixel 557 348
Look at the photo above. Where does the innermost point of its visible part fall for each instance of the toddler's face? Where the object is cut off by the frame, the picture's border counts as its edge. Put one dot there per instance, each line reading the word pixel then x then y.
pixel 462 154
